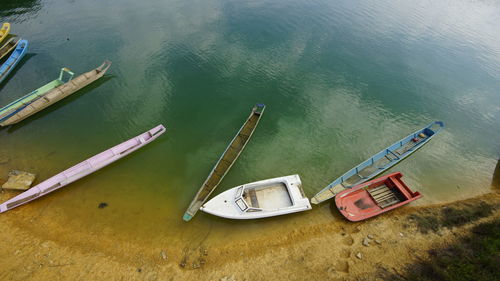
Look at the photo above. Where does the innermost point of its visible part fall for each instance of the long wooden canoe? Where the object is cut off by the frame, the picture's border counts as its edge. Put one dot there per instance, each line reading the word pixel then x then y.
pixel 380 162
pixel 57 94
pixel 14 59
pixel 4 31
pixel 12 108
pixel 225 161
pixel 8 46
pixel 83 169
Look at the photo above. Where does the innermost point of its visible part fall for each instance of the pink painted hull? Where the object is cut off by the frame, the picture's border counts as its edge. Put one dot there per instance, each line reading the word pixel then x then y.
pixel 83 169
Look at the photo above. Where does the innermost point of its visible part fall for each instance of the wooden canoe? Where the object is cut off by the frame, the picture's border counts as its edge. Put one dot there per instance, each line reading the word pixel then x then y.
pixel 8 46
pixel 14 59
pixel 83 169
pixel 57 94
pixel 12 108
pixel 225 161
pixel 380 162
pixel 375 197
pixel 4 31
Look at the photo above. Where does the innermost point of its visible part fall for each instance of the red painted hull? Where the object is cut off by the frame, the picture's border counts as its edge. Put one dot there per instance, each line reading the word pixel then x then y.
pixel 359 202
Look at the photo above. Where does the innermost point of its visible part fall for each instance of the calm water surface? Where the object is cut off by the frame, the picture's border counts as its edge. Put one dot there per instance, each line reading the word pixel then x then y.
pixel 341 81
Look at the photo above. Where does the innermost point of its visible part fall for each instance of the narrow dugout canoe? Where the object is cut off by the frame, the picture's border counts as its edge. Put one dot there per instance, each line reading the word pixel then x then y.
pixel 375 197
pixel 261 199
pixel 57 94
pixel 12 108
pixel 380 162
pixel 225 161
pixel 4 31
pixel 14 59
pixel 8 46
pixel 83 169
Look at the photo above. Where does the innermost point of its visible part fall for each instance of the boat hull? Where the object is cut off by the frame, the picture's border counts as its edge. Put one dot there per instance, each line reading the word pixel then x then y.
pixel 380 162
pixel 57 94
pixel 14 59
pixel 226 161
pixel 10 45
pixel 375 197
pixel 83 169
pixel 4 31
pixel 12 108
pixel 274 197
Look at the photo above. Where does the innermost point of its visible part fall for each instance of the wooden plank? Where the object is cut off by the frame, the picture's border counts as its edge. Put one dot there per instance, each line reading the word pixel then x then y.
pixel 382 199
pixel 379 191
pixel 226 161
pixel 382 195
pixel 371 190
pixel 395 201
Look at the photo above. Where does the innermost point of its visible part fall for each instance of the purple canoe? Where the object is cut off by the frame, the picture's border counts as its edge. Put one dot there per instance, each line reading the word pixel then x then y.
pixel 83 169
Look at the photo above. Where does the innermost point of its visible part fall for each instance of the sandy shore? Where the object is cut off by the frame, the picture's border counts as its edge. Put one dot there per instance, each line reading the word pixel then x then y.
pixel 331 249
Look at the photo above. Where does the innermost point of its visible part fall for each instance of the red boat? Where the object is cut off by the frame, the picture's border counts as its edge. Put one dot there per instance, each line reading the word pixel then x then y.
pixel 375 197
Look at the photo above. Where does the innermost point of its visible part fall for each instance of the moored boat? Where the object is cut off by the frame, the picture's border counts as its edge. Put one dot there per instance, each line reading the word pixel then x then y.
pixel 54 95
pixel 225 161
pixel 375 197
pixel 83 169
pixel 380 162
pixel 4 31
pixel 12 108
pixel 8 46
pixel 14 59
pixel 261 199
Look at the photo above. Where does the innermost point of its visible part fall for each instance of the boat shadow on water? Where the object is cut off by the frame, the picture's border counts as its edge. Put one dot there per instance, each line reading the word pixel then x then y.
pixel 495 183
pixel 24 60
pixel 60 103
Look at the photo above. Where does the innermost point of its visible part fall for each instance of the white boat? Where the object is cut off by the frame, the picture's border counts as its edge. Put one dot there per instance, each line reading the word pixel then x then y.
pixel 261 199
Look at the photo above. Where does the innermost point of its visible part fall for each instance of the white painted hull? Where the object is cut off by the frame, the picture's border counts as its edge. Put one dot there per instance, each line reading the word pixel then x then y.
pixel 267 198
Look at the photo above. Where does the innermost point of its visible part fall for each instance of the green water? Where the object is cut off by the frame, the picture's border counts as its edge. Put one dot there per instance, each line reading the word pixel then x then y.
pixel 341 81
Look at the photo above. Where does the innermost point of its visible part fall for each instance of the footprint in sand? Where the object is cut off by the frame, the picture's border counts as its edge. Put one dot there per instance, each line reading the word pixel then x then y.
pixel 348 241
pixel 342 266
pixel 345 253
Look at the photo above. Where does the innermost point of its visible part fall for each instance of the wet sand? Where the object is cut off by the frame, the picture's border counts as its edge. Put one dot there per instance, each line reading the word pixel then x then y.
pixel 328 248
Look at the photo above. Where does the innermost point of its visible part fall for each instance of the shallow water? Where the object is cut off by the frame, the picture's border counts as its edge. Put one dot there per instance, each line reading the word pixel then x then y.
pixel 341 81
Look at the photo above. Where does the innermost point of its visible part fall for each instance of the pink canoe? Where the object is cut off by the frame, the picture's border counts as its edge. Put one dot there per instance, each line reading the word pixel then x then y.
pixel 83 169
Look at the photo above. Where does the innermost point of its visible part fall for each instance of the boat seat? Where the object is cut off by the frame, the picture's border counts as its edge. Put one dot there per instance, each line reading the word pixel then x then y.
pixel 253 198
pixel 383 196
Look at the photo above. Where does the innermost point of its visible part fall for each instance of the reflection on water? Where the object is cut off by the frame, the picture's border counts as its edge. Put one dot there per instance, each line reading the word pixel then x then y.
pixel 13 9
pixel 341 81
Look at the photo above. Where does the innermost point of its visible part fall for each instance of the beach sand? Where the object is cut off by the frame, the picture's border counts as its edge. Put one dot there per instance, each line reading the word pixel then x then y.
pixel 330 248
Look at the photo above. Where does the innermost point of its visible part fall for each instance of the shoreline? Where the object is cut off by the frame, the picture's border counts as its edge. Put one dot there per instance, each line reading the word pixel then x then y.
pixel 325 249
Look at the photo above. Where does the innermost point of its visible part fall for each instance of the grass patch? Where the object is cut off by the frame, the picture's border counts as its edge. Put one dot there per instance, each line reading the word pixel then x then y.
pixel 476 257
pixel 451 217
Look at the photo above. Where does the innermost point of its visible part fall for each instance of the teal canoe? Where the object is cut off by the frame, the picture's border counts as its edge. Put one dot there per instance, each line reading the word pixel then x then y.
pixel 14 59
pixel 12 108
pixel 380 162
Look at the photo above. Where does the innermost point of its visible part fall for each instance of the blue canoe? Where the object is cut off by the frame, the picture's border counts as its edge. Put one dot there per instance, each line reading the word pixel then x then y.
pixel 380 162
pixel 14 59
